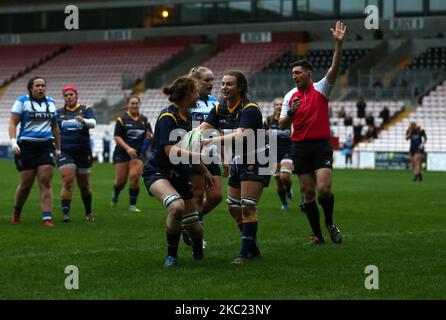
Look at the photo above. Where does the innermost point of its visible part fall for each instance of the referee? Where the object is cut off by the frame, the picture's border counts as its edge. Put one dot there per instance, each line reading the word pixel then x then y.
pixel 306 109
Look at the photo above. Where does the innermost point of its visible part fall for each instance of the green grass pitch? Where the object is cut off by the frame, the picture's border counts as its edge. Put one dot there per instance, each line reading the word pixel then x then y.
pixel 387 220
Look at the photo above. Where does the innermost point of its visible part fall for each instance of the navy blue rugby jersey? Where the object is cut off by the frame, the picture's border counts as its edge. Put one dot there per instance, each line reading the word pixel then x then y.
pixel 168 120
pixel 74 135
pixel 132 130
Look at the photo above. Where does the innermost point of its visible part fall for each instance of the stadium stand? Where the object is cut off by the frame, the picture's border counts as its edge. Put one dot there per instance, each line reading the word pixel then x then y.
pixel 430 115
pixel 321 59
pixel 17 59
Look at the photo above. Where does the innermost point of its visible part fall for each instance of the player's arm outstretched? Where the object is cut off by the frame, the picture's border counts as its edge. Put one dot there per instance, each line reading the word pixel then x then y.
pixel 338 34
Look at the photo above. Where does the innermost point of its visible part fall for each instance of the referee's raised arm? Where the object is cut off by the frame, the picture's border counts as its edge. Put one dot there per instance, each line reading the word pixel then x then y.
pixel 338 35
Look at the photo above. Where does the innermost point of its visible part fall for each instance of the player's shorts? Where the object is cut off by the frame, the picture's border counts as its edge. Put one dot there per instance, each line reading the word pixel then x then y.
pixel 283 153
pixel 308 156
pixel 415 150
pixel 82 163
pixel 247 172
pixel 120 157
pixel 35 154
pixel 179 179
pixel 213 168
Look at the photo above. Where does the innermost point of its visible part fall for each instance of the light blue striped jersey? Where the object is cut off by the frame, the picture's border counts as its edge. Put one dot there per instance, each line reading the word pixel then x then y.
pixel 36 118
pixel 198 114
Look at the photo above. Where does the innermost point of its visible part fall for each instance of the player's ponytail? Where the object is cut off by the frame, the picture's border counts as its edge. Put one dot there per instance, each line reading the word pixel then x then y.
pixel 179 88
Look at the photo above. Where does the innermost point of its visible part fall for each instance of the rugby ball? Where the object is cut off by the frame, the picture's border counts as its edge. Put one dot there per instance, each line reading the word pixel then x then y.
pixel 191 140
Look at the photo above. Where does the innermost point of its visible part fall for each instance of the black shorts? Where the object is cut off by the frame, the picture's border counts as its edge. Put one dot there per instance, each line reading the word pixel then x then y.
pixel 308 156
pixel 414 151
pixel 247 172
pixel 120 157
pixel 35 154
pixel 179 179
pixel 213 168
pixel 84 161
pixel 283 153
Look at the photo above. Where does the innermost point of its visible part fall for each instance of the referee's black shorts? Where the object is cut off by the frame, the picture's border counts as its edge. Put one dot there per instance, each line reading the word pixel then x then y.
pixel 310 155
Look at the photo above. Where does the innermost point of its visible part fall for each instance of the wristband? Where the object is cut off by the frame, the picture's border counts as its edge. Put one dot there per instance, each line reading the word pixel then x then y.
pixel 14 144
pixel 58 152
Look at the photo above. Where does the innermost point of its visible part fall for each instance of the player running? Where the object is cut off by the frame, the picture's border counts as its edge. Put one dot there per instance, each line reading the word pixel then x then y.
pixel 284 165
pixel 130 131
pixel 418 139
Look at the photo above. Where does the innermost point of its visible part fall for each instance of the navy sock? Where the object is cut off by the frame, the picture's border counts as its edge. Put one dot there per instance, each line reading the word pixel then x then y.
pixel 197 247
pixel 17 210
pixel 282 195
pixel 313 218
pixel 117 191
pixel 327 205
pixel 248 237
pixel 133 196
pixel 287 186
pixel 173 239
pixel 87 202
pixel 46 215
pixel 66 206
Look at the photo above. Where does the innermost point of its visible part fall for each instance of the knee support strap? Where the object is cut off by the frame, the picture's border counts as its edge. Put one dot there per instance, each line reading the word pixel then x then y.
pixel 168 200
pixel 233 202
pixel 246 201
pixel 190 218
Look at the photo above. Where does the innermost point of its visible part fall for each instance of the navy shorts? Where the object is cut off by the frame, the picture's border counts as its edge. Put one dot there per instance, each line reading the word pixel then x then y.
pixel 179 179
pixel 120 157
pixel 246 172
pixel 213 168
pixel 35 154
pixel 414 151
pixel 308 156
pixel 283 153
pixel 84 161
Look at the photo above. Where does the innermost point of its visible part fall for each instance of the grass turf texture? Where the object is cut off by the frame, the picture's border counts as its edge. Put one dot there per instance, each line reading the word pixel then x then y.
pixel 387 220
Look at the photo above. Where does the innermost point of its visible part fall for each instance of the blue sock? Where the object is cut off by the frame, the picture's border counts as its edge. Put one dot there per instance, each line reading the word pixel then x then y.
pixel 133 195
pixel 249 235
pixel 66 206
pixel 86 199
pixel 17 210
pixel 46 215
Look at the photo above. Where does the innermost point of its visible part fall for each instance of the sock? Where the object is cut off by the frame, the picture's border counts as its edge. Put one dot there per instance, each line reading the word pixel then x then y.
pixel 87 202
pixel 282 195
pixel 117 191
pixel 197 247
pixel 17 210
pixel 46 215
pixel 313 218
pixel 248 237
pixel 288 186
pixel 327 205
pixel 173 240
pixel 66 206
pixel 133 195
